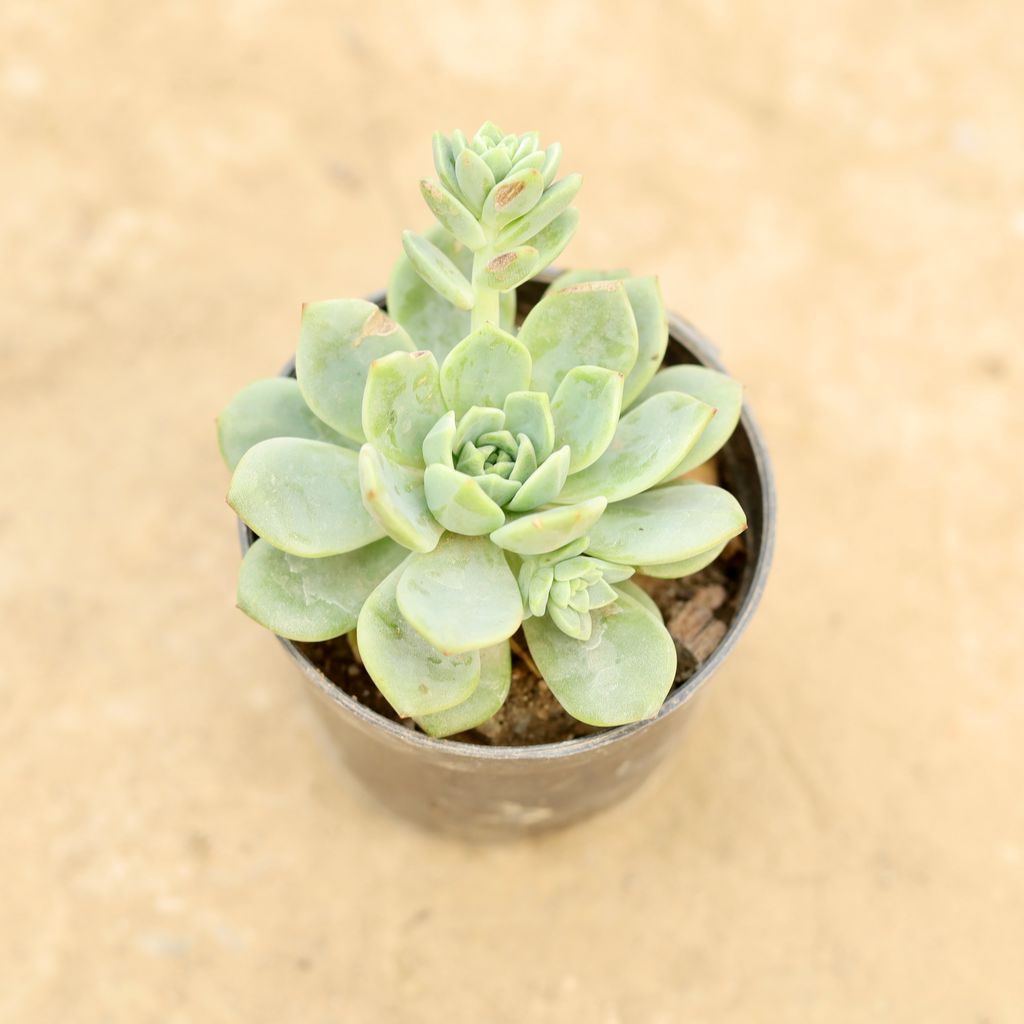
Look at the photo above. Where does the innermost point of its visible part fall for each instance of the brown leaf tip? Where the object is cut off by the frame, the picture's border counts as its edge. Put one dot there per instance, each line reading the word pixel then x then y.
pixel 379 323
pixel 592 286
pixel 507 192
pixel 501 261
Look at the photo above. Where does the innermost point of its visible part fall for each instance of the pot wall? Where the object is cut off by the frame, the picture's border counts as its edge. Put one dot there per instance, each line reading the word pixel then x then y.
pixel 479 792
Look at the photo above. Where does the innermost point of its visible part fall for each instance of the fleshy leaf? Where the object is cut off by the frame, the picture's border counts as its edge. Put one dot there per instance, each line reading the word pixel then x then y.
pixel 535 160
pixel 303 497
pixel 715 389
pixel 652 333
pixel 452 214
pixel 585 410
pixel 484 702
pixel 478 420
pixel 414 677
pixel 644 295
pixel 544 484
pixel 509 269
pixel 497 488
pixel 338 340
pixel 444 162
pixel 514 196
pixel 529 413
pixel 458 502
pixel 571 277
pixel 551 204
pixel 401 404
pixel 394 496
pixel 538 532
pixel 621 674
pixel 585 325
pixel 551 240
pixel 648 442
pixel 437 445
pixel 312 598
pixel 434 322
pixel 461 596
pixel 483 369
pixel 635 591
pixel 552 158
pixel 265 409
pixel 475 179
pixel 526 460
pixel 684 567
pixel 438 270
pixel 667 525
pixel 575 624
pixel 499 162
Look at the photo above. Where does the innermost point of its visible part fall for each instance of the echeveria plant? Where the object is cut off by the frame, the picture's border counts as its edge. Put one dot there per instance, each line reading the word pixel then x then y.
pixel 434 479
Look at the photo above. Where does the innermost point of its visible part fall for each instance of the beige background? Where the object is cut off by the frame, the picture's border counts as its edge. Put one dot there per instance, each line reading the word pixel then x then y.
pixel 835 193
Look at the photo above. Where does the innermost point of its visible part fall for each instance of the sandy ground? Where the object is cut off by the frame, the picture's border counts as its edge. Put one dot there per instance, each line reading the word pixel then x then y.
pixel 835 193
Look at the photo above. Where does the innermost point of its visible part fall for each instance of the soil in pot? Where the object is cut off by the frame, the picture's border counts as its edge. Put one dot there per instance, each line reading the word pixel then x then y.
pixel 697 611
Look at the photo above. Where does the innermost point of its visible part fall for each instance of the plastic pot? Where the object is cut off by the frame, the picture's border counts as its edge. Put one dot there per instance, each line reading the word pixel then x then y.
pixel 483 792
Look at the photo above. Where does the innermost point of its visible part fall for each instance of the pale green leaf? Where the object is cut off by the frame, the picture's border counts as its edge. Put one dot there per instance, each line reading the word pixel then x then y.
pixel 544 484
pixel 584 325
pixel 551 240
pixel 513 197
pixel 458 502
pixel 644 295
pixel 444 162
pixel 394 496
pixel 478 420
pixel 553 202
pixel 652 333
pixel 713 388
pixel 552 158
pixel 438 270
pixel 621 674
pixel 498 160
pixel 667 525
pixel 269 408
pixel 475 179
pixel 432 321
pixel 461 596
pixel 303 497
pixel 439 442
pixel 483 369
pixel 484 702
pixel 529 413
pixel 497 488
pixel 311 598
pixel 571 277
pixel 684 567
pixel 635 591
pixel 585 410
pixel 538 532
pixel 509 269
pixel 452 214
pixel 401 404
pixel 415 677
pixel 648 442
pixel 535 160
pixel 338 340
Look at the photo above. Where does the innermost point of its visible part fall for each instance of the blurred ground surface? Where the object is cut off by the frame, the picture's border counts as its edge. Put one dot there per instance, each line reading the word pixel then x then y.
pixel 835 193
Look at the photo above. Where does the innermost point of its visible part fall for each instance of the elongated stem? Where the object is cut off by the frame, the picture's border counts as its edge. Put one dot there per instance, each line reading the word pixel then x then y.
pixel 486 308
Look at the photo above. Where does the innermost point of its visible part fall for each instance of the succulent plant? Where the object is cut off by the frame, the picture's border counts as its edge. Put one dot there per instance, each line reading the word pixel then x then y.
pixel 434 479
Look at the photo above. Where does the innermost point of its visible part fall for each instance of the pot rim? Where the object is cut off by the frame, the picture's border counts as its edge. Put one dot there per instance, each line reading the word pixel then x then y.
pixel 707 354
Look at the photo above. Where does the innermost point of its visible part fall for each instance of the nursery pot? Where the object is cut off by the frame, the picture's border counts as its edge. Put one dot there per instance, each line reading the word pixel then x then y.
pixel 493 792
